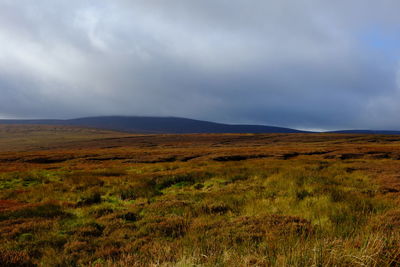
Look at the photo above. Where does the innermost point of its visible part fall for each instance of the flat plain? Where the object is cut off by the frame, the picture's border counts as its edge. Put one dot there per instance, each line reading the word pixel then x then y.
pixel 83 197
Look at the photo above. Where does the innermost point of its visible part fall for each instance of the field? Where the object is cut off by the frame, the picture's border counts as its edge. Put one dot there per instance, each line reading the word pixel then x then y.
pixel 84 197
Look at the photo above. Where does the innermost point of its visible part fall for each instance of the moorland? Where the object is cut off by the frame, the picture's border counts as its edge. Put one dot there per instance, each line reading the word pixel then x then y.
pixel 73 196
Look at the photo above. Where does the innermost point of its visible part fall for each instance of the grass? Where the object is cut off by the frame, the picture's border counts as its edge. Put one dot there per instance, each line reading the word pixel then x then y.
pixel 131 207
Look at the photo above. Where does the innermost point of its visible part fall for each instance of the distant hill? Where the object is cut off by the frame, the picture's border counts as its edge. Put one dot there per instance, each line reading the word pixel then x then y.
pixel 367 132
pixel 142 124
pixel 136 124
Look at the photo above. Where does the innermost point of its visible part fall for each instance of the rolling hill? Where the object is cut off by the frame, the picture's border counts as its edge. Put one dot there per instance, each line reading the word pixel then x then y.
pixel 138 124
pixel 174 125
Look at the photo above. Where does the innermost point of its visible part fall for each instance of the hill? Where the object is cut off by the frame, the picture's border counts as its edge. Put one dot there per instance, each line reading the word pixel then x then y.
pixel 137 124
pixel 174 125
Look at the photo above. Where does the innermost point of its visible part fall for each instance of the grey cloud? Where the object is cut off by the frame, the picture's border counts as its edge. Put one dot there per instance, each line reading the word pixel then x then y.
pixel 307 63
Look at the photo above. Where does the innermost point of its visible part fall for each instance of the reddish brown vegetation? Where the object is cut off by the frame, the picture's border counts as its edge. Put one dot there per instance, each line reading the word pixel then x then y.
pixel 227 200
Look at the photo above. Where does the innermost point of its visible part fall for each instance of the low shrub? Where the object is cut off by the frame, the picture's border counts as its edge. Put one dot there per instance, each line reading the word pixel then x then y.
pixel 171 227
pixel 138 189
pixel 43 210
pixel 91 197
pixel 11 258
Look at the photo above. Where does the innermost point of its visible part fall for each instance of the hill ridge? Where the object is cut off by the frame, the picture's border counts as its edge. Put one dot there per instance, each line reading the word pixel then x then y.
pixel 175 125
pixel 153 124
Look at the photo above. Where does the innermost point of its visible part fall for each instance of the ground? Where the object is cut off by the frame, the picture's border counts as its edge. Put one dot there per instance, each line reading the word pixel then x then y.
pixel 84 197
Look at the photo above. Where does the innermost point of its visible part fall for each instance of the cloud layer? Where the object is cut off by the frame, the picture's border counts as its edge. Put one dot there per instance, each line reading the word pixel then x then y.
pixel 305 63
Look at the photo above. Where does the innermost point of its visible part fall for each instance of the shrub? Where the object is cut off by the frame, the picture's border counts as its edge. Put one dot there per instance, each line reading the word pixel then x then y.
pixel 183 179
pixel 90 230
pixel 215 208
pixel 82 180
pixel 139 189
pixel 129 216
pixel 11 258
pixel 44 210
pixel 172 227
pixel 91 197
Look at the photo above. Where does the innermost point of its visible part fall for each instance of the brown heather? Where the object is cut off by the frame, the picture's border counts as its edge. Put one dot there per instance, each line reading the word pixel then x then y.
pixel 84 197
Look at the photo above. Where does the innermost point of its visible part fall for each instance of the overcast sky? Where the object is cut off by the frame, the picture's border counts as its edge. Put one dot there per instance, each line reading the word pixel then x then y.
pixel 311 64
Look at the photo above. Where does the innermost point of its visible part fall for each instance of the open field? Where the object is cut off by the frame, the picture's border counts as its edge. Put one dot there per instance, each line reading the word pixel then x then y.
pixel 79 197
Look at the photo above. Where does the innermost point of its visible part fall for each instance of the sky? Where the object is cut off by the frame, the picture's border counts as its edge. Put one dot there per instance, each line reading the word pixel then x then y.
pixel 308 64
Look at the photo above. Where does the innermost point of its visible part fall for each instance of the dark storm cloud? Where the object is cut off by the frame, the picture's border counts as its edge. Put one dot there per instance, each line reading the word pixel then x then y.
pixel 307 64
